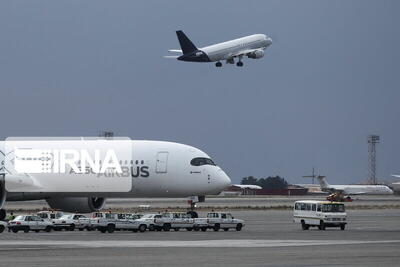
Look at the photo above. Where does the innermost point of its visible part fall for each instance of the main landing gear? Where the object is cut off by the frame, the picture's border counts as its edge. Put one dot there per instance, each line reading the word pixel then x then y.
pixel 218 64
pixel 239 64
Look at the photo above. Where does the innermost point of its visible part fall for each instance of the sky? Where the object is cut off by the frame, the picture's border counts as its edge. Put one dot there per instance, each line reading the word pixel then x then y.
pixel 330 79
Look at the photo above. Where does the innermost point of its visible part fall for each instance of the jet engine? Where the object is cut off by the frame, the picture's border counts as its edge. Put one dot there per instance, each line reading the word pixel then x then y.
pixel 77 204
pixel 256 54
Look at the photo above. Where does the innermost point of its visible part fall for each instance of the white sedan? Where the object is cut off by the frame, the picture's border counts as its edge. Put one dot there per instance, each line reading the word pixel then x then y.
pixel 71 222
pixel 28 223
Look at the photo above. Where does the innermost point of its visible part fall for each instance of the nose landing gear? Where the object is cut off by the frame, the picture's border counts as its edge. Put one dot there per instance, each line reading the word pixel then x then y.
pixel 218 64
pixel 239 64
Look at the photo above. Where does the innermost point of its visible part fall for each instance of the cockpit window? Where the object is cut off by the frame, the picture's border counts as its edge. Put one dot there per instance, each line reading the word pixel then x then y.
pixel 201 161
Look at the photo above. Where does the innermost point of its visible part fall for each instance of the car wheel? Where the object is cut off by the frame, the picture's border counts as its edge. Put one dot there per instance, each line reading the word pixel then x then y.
pixel 142 228
pixel 203 229
pixel 151 227
pixel 216 227
pixel 167 227
pixel 71 227
pixel 189 229
pixel 48 229
pixel 321 225
pixel 14 230
pixel 226 229
pixel 342 227
pixel 304 226
pixel 2 228
pixel 27 229
pixel 239 227
pixel 111 228
pixel 196 228
pixel 37 231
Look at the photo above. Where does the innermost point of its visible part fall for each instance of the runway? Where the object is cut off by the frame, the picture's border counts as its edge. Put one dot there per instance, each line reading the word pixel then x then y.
pixel 270 238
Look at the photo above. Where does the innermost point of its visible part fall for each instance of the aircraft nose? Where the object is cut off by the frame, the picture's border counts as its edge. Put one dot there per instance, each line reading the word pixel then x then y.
pixel 223 180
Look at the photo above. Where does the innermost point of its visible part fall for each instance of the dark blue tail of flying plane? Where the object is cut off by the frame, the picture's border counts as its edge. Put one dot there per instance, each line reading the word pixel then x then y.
pixel 186 45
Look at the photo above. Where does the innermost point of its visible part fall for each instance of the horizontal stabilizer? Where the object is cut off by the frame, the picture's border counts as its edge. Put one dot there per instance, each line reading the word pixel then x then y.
pixel 175 50
pixel 174 57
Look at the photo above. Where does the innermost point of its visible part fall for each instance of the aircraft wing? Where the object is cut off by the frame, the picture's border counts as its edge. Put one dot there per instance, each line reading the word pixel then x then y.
pixel 396 175
pixel 247 186
pixel 175 50
pixel 244 52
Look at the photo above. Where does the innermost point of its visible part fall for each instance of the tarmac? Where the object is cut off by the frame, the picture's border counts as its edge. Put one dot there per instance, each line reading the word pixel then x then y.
pixel 270 238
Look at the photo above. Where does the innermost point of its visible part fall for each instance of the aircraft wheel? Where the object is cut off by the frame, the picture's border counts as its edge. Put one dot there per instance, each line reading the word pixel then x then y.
pixel 218 64
pixel 239 64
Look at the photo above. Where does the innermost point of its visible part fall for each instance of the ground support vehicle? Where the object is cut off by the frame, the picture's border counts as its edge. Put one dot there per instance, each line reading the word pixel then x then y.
pixel 174 220
pixel 321 214
pixel 71 222
pixel 28 223
pixel 222 220
pixel 118 221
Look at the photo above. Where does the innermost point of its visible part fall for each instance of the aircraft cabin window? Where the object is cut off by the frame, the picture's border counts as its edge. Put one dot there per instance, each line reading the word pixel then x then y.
pixel 201 161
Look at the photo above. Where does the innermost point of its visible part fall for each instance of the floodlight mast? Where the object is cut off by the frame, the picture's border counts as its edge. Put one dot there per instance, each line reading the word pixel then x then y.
pixel 372 141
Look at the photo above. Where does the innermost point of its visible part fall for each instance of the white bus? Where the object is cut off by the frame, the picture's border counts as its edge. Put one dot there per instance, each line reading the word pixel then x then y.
pixel 321 214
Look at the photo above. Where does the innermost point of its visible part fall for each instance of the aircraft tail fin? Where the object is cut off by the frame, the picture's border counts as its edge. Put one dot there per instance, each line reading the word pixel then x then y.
pixel 322 181
pixel 186 45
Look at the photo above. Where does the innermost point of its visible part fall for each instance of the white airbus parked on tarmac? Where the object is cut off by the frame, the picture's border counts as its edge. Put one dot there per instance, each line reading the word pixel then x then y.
pixel 252 46
pixel 151 169
pixel 346 190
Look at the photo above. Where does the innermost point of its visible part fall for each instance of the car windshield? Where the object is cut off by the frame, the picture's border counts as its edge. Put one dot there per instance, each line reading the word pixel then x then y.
pixel 19 218
pixel 333 208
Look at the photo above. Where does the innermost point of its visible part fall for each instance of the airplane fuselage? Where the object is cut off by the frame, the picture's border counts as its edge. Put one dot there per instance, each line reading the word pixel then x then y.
pixel 156 169
pixel 252 46
pixel 360 189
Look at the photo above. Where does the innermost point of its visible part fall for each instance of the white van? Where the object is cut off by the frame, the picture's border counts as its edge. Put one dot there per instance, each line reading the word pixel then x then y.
pixel 321 214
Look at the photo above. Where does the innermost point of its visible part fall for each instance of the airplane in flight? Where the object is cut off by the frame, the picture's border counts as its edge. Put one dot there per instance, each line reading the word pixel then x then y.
pixel 251 46
pixel 153 169
pixel 343 192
